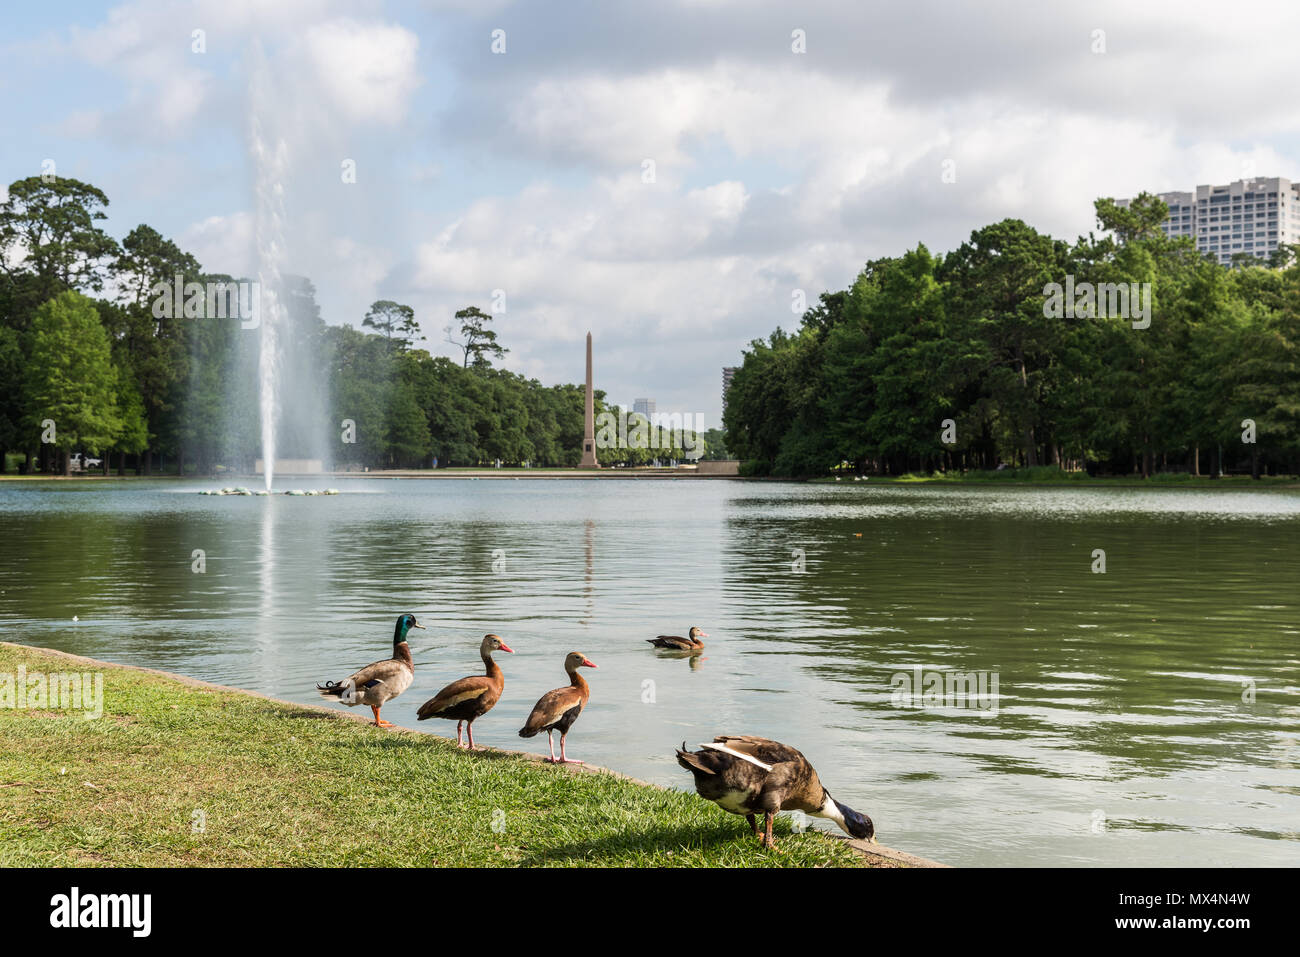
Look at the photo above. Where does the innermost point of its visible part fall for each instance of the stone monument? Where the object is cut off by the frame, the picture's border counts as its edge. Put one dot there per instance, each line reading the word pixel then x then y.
pixel 589 421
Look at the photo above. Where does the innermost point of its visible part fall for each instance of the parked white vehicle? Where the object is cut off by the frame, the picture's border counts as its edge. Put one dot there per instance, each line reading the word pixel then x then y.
pixel 81 462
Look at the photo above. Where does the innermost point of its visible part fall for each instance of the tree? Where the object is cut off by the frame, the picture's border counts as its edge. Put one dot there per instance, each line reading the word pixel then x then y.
pixel 479 342
pixel 996 282
pixel 47 229
pixel 394 321
pixel 155 349
pixel 1139 220
pixel 71 381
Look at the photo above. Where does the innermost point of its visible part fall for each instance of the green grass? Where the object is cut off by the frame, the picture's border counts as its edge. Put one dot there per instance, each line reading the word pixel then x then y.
pixel 276 784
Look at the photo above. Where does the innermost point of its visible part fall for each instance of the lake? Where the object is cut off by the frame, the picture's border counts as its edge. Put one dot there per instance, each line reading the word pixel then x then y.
pixel 1147 714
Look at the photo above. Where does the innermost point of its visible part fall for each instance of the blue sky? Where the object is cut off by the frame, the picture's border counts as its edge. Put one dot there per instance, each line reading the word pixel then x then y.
pixel 522 171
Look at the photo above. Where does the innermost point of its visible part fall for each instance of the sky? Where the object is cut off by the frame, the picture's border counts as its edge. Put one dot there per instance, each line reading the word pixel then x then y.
pixel 672 176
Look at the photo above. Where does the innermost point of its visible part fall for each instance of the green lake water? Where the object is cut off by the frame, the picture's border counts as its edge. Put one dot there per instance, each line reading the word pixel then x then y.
pixel 1147 715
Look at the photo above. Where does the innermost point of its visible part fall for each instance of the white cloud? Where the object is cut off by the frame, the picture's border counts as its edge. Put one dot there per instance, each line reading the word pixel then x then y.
pixel 367 71
pixel 773 170
pixel 223 244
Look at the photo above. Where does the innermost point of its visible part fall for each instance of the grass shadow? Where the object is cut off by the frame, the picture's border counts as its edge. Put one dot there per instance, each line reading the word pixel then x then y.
pixel 656 839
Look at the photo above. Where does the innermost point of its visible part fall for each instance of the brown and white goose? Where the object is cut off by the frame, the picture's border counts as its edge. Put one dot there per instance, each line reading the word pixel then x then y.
pixel 677 643
pixel 747 775
pixel 557 710
pixel 381 681
pixel 469 698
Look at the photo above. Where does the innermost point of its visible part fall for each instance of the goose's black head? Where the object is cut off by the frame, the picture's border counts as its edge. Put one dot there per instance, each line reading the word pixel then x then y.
pixel 850 821
pixel 859 825
pixel 404 624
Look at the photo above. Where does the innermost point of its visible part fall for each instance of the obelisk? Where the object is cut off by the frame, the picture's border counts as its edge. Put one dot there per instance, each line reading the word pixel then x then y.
pixel 589 421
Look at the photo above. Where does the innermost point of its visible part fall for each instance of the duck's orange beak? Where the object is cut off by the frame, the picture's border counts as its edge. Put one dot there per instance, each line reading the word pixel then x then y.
pixel 505 647
pixel 588 663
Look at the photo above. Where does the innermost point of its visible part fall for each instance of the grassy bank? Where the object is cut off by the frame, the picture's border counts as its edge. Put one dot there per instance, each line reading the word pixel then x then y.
pixel 177 773
pixel 1051 476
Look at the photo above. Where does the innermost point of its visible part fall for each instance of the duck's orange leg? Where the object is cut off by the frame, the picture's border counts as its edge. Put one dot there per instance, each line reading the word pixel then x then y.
pixel 380 722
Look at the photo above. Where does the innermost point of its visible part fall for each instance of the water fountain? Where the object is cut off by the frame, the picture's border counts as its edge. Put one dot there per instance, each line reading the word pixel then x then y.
pixel 271 161
pixel 274 298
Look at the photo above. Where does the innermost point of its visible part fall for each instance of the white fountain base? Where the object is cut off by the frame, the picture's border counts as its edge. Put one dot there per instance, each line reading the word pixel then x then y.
pixel 241 490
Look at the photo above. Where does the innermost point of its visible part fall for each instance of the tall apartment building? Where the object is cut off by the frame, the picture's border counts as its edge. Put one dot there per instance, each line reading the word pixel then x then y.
pixel 644 407
pixel 1249 216
pixel 728 373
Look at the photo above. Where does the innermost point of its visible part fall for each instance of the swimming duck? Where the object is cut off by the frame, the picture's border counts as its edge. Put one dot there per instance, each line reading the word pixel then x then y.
pixel 677 643
pixel 747 775
pixel 381 681
pixel 469 698
pixel 558 709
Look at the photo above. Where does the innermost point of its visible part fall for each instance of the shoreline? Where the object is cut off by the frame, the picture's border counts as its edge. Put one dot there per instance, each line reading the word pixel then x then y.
pixel 1201 483
pixel 871 855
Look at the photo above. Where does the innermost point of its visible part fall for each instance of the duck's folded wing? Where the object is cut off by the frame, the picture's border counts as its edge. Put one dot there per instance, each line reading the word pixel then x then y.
pixel 671 641
pixel 551 707
pixel 764 749
pixel 455 693
pixel 373 674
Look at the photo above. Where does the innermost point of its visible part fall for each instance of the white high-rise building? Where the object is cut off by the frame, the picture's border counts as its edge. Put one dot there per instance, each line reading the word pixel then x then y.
pixel 644 407
pixel 1249 216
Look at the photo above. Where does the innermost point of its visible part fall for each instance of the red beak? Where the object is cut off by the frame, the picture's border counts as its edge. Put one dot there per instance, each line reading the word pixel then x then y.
pixel 505 647
pixel 588 664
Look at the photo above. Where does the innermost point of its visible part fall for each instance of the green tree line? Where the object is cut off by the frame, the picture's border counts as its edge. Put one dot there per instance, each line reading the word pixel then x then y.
pixel 90 366
pixel 960 362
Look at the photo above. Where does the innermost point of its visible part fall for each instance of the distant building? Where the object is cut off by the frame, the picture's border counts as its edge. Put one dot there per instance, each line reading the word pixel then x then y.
pixel 644 407
pixel 1251 216
pixel 728 373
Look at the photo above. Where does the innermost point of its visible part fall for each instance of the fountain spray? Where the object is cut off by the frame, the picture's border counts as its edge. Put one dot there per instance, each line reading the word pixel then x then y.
pixel 271 160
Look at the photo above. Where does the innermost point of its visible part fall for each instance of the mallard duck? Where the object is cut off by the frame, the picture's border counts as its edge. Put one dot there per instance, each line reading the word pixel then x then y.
pixel 677 643
pixel 558 709
pixel 748 775
pixel 381 681
pixel 469 698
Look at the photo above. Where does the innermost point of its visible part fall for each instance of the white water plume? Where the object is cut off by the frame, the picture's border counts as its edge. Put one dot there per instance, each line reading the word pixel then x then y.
pixel 271 160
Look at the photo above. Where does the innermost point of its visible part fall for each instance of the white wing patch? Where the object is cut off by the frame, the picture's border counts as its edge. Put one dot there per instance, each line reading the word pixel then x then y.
pixel 737 754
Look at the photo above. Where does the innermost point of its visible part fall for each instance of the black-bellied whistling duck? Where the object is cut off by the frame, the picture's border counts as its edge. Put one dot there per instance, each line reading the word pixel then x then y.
pixel 677 643
pixel 558 709
pixel 469 698
pixel 379 682
pixel 748 775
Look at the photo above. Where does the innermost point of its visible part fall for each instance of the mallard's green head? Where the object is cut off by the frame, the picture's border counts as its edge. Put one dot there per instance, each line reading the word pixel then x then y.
pixel 404 624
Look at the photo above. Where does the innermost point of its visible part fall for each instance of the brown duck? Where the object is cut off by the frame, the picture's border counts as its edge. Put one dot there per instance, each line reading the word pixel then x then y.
pixel 748 775
pixel 677 643
pixel 469 698
pixel 557 710
pixel 378 682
